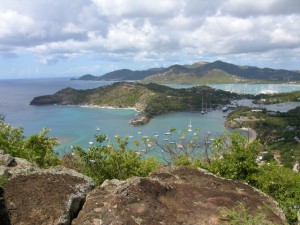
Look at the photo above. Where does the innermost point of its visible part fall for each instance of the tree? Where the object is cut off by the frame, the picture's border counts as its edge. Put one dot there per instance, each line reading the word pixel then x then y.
pixel 283 185
pixel 11 139
pixel 39 149
pixel 180 147
pixel 234 157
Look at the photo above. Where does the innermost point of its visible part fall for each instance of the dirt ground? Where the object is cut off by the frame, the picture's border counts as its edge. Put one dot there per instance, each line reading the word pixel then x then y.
pixel 38 199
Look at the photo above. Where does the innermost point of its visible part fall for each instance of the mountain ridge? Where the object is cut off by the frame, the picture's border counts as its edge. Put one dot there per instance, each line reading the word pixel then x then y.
pixel 201 73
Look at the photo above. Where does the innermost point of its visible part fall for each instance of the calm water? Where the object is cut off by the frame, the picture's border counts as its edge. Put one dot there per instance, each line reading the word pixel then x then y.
pixel 250 88
pixel 77 125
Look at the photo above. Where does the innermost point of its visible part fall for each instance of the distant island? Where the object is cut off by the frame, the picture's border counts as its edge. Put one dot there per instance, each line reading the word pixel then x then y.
pixel 201 73
pixel 149 99
pixel 121 75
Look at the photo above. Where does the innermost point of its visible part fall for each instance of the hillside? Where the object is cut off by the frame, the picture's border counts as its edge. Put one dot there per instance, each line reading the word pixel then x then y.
pixel 86 77
pixel 151 99
pixel 121 75
pixel 280 130
pixel 221 72
pixel 202 73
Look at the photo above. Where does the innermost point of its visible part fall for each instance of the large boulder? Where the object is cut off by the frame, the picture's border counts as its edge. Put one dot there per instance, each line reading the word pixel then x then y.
pixel 4 213
pixel 14 166
pixel 176 195
pixel 46 196
pixel 6 159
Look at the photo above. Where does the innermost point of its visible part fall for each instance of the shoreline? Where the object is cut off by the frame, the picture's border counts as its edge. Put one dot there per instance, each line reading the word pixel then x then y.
pixel 109 107
pixel 251 133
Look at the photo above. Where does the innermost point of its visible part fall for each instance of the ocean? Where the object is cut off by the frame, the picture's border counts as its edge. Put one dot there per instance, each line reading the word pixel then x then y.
pixel 74 125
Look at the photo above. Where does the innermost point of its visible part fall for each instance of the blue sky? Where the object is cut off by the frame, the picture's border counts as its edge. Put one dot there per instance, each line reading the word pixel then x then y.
pixel 54 38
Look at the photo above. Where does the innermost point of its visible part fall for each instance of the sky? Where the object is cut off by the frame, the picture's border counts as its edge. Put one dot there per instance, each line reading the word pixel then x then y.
pixel 70 38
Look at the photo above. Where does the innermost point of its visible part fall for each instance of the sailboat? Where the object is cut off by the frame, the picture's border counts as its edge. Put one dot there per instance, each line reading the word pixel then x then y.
pixel 190 126
pixel 202 111
pixel 97 128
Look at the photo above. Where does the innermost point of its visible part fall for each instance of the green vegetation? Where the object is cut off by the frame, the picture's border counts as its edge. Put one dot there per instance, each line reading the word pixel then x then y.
pixel 240 215
pixel 214 76
pixel 278 132
pixel 283 185
pixel 102 162
pixel 37 149
pixel 3 180
pixel 293 96
pixel 233 157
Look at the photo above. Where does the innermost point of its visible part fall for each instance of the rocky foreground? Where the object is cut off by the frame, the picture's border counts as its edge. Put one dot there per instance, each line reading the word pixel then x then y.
pixel 172 195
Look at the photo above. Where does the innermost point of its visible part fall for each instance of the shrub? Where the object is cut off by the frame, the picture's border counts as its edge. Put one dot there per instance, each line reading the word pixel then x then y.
pixel 240 215
pixel 112 162
pixel 234 158
pixel 184 160
pixel 283 185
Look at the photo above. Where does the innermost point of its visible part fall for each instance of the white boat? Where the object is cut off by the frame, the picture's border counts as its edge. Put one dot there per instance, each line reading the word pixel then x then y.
pixel 91 142
pixel 167 133
pixel 224 109
pixel 190 126
pixel 202 111
pixel 97 128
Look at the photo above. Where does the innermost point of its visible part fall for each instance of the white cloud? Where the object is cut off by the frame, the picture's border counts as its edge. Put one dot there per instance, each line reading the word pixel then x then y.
pixel 131 36
pixel 265 7
pixel 72 29
pixel 14 24
pixel 148 30
pixel 229 35
pixel 181 22
pixel 136 8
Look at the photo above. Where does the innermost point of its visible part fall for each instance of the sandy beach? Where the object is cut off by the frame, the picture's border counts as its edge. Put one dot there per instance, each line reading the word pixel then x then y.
pixel 109 107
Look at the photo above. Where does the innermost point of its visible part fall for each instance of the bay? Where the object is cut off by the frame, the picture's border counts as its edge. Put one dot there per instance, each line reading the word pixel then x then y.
pixel 74 125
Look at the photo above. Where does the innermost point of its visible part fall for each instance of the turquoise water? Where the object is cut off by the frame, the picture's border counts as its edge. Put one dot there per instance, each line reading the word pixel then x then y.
pixel 74 125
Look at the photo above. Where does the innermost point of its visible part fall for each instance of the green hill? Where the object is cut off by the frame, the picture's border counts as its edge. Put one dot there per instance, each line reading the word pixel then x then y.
pixel 151 99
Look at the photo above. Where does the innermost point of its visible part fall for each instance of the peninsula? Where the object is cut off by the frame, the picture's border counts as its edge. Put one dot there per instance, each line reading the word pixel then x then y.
pixel 149 99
